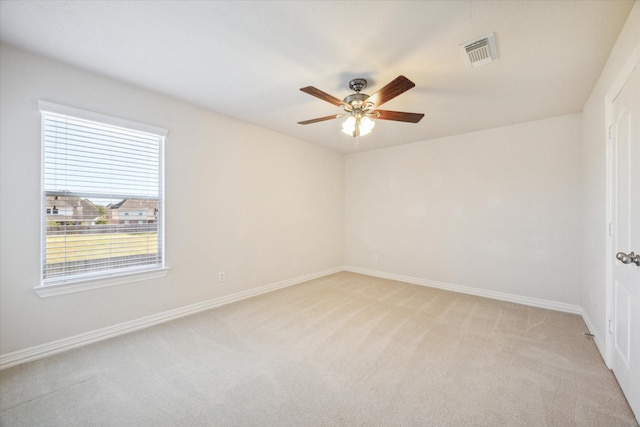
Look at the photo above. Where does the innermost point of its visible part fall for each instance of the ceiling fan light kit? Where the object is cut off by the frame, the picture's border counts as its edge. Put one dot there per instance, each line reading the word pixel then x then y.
pixel 361 126
pixel 361 108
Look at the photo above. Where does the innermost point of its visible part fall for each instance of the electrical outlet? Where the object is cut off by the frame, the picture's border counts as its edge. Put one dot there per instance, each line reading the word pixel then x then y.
pixel 221 276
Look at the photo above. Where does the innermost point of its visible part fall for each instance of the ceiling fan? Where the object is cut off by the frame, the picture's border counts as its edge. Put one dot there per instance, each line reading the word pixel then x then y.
pixel 361 108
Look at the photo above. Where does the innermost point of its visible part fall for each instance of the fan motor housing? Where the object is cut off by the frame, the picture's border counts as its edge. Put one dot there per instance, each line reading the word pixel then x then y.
pixel 356 99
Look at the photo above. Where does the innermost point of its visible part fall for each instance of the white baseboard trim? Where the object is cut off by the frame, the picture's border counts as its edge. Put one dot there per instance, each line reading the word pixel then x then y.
pixel 48 349
pixel 44 350
pixel 502 296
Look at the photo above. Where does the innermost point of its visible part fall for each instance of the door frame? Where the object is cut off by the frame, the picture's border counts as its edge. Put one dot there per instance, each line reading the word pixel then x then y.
pixel 621 79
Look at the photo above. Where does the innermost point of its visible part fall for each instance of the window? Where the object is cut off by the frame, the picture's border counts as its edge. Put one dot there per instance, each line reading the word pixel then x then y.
pixel 94 167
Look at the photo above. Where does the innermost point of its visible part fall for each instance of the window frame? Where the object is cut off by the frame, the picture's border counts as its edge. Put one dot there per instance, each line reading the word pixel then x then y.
pixel 68 284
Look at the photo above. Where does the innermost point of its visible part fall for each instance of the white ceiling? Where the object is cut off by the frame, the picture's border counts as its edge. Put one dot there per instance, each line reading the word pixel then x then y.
pixel 248 59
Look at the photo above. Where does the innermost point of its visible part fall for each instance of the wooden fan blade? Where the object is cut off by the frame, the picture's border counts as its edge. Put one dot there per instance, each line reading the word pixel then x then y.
pixel 398 86
pixel 319 119
pixel 399 116
pixel 322 95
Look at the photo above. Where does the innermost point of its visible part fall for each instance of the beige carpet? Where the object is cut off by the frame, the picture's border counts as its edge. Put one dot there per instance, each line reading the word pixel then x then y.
pixel 344 350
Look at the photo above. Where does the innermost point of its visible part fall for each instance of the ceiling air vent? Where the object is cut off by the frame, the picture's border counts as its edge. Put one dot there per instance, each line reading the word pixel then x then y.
pixel 479 51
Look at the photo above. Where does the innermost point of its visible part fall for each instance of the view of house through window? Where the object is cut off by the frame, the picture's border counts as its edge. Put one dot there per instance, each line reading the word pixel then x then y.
pixel 102 199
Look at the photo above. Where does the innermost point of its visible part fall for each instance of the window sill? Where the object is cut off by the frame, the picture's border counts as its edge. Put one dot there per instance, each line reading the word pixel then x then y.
pixel 69 287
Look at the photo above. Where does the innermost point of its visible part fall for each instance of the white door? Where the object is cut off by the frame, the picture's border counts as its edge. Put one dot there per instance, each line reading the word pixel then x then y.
pixel 626 239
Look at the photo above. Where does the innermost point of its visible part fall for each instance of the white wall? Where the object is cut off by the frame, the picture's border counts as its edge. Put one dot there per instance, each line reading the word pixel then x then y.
pixel 593 290
pixel 496 210
pixel 261 206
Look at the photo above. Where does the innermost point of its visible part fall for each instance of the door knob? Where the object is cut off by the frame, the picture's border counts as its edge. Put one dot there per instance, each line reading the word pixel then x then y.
pixel 629 258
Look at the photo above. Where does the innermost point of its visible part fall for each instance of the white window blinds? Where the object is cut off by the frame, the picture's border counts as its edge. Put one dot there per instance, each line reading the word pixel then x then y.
pixel 102 196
